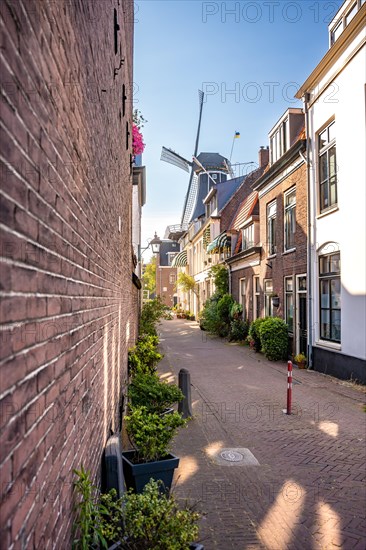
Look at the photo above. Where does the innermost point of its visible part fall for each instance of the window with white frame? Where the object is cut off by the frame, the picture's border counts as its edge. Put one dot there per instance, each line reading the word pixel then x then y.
pixel 345 20
pixel 248 237
pixel 172 278
pixel 279 141
pixel 289 303
pixel 330 297
pixel 268 292
pixel 290 219
pixel 257 296
pixel 327 168
pixel 271 227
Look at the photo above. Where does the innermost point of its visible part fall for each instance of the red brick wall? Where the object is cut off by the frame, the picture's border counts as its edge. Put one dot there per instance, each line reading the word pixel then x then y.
pixel 163 280
pixel 284 264
pixel 68 305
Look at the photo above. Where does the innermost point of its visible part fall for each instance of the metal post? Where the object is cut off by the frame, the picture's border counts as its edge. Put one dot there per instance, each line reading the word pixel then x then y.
pixel 185 406
pixel 289 387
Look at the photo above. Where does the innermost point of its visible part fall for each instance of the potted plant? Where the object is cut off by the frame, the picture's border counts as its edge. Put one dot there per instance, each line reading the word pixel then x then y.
pixel 300 360
pixel 143 521
pixel 151 434
pixel 149 391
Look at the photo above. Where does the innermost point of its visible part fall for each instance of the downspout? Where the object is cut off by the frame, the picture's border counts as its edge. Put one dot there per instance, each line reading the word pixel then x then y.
pixel 309 157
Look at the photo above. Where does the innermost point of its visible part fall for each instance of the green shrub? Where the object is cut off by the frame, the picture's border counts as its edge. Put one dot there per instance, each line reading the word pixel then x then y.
pixel 155 522
pixel 224 306
pixel 254 333
pixel 144 357
pixel 209 319
pixel 238 330
pixel 220 276
pixel 151 520
pixel 147 390
pixel 236 310
pixel 87 527
pixel 274 338
pixel 152 312
pixel 152 433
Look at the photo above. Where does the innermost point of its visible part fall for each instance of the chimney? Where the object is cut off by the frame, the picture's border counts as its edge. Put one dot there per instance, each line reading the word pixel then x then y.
pixel 263 156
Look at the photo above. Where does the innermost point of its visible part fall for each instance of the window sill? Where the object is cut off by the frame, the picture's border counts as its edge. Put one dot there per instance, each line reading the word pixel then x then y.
pixel 271 256
pixel 327 212
pixel 328 345
pixel 289 251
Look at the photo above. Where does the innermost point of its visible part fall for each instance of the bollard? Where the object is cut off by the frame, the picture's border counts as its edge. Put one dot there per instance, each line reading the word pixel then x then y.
pixel 289 387
pixel 185 406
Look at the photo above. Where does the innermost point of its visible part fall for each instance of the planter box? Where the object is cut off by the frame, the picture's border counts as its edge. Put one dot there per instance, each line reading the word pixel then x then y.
pixel 138 475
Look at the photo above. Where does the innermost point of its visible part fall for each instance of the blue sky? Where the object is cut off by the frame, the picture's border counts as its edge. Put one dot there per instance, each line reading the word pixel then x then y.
pixel 260 51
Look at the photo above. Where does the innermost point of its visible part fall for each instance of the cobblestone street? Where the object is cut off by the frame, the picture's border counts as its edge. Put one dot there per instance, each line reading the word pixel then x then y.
pixel 307 490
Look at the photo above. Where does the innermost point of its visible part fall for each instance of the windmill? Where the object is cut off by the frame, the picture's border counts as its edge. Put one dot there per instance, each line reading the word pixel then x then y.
pixel 167 155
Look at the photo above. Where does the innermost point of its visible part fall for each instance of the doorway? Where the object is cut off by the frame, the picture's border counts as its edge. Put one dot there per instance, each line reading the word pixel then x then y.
pixel 301 315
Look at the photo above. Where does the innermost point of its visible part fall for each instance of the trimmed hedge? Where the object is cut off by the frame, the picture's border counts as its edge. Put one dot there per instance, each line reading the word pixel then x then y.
pixel 273 333
pixel 254 333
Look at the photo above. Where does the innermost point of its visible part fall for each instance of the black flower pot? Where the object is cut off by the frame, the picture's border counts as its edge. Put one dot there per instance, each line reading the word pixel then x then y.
pixel 138 475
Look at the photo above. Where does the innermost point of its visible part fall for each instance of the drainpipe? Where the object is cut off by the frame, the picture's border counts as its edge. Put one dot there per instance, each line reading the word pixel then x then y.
pixel 309 157
pixel 229 266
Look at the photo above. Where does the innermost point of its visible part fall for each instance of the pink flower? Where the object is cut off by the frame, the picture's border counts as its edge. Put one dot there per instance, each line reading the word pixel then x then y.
pixel 138 144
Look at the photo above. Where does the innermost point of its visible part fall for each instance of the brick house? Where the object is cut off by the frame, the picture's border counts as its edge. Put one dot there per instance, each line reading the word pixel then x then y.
pixel 270 228
pixel 69 306
pixel 166 274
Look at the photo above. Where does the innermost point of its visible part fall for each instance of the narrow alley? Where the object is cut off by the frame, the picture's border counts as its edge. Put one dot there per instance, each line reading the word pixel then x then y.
pixel 264 479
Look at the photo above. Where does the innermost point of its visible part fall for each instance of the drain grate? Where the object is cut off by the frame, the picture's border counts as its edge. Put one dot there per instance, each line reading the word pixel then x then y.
pixel 238 456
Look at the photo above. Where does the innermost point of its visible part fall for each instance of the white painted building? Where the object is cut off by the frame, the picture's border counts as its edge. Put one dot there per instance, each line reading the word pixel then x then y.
pixel 334 98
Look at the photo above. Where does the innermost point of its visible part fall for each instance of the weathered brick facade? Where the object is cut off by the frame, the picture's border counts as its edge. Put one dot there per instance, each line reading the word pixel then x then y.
pixel 68 307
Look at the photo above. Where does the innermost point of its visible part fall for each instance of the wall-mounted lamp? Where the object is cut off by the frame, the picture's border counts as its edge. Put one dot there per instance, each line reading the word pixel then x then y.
pixel 155 243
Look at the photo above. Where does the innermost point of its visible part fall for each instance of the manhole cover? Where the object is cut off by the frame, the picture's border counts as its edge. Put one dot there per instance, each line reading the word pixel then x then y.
pixel 231 456
pixel 235 456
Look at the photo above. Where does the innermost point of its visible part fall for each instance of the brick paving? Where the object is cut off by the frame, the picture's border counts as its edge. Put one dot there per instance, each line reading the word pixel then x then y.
pixel 308 491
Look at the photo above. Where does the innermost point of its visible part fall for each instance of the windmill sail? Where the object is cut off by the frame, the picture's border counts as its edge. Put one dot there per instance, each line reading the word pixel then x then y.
pixel 167 155
pixel 191 195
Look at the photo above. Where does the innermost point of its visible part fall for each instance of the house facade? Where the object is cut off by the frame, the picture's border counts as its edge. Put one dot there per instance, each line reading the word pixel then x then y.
pixel 207 241
pixel 268 266
pixel 166 273
pixel 334 100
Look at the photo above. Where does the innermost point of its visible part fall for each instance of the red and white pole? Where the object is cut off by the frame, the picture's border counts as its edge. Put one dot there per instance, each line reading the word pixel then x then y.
pixel 289 387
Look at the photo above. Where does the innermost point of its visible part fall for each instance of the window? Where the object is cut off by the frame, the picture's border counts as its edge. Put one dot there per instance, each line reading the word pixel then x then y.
pixel 279 141
pixel 327 168
pixel 290 219
pixel 330 297
pixel 271 227
pixel 257 294
pixel 289 303
pixel 172 278
pixel 248 237
pixel 268 291
pixel 352 12
pixel 336 32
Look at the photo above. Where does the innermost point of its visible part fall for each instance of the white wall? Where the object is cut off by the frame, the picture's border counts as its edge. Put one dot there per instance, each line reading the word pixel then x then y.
pixel 345 226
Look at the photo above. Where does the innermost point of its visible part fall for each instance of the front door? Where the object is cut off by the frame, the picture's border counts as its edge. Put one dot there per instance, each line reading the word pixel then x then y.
pixel 301 315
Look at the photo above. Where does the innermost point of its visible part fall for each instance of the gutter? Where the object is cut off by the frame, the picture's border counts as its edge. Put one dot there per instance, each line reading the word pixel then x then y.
pixel 306 99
